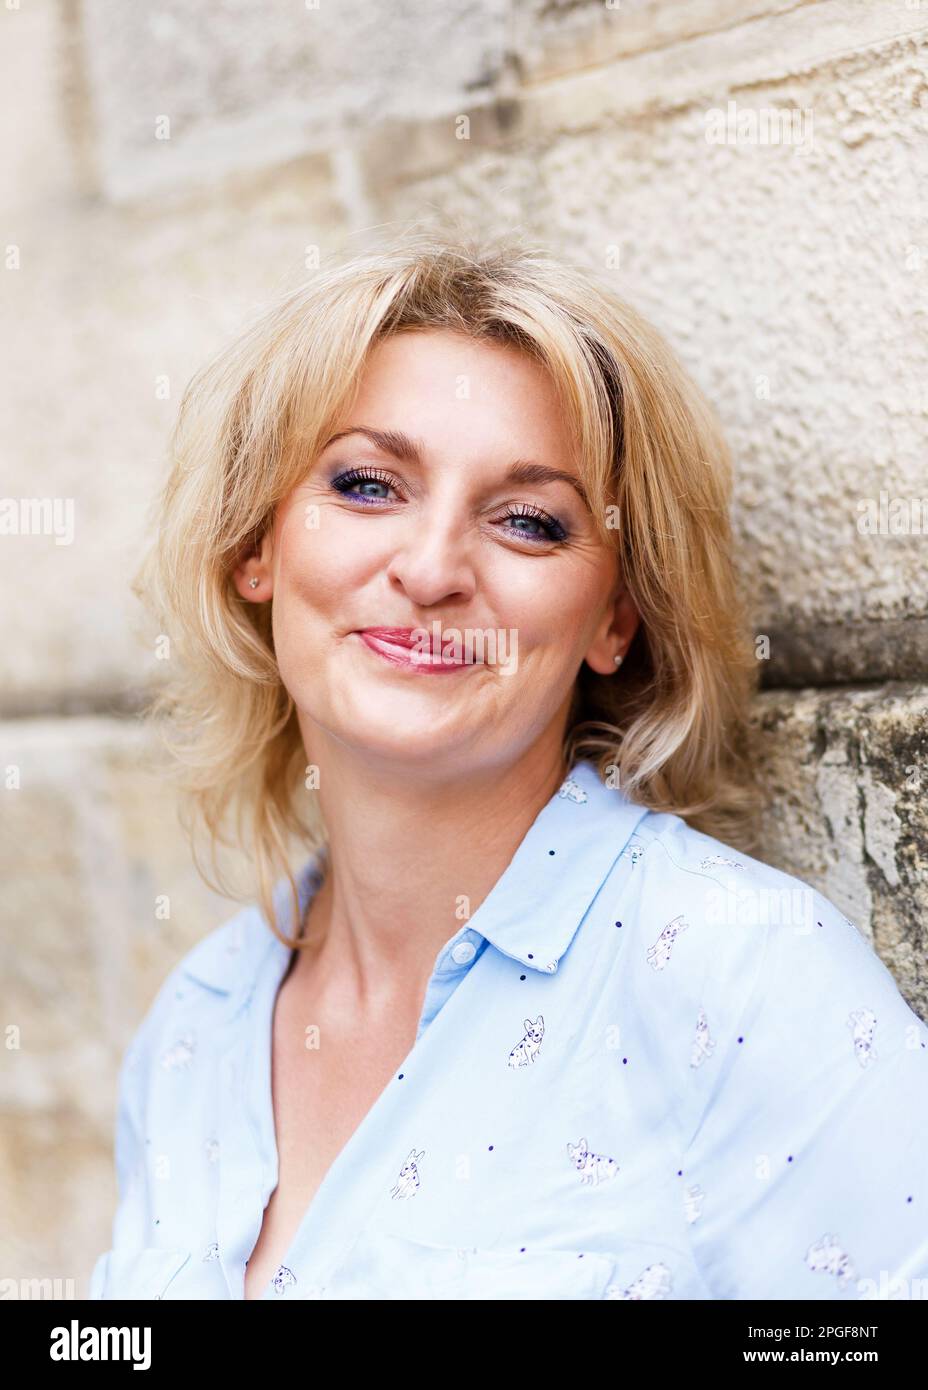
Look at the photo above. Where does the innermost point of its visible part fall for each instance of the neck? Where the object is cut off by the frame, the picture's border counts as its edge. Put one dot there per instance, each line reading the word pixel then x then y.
pixel 410 858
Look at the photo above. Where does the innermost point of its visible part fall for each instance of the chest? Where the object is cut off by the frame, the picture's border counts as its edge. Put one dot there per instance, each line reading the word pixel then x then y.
pixel 325 1079
pixel 484 1138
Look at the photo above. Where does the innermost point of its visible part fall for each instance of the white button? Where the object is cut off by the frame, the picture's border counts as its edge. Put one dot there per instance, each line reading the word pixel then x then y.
pixel 463 952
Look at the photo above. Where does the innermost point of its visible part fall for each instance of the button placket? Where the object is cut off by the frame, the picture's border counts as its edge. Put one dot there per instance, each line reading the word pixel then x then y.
pixel 236 1156
pixel 244 1150
pixel 452 964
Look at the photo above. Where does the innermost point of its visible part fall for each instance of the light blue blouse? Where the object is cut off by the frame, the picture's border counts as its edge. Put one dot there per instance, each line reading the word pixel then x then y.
pixel 646 1067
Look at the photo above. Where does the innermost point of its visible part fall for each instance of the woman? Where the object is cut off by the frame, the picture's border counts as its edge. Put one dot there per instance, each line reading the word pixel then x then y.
pixel 445 565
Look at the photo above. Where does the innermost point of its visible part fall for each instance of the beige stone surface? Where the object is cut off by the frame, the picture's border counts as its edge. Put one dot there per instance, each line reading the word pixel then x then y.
pixel 91 845
pixel 100 900
pixel 792 282
pixel 846 777
pixel 791 278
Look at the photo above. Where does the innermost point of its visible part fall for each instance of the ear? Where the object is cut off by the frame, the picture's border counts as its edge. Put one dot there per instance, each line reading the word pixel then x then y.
pixel 615 632
pixel 255 563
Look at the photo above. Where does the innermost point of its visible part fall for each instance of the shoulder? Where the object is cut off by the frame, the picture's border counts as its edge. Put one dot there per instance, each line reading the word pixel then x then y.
pixel 219 968
pixel 219 961
pixel 726 907
pixel 732 956
pixel 226 960
pixel 193 994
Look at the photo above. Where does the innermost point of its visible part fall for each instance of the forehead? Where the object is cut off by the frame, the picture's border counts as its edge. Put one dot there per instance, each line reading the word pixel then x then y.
pixel 442 385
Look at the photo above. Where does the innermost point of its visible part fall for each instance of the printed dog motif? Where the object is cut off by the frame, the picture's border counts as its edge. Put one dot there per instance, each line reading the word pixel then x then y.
pixel 593 1168
pixel 703 1045
pixel 179 1057
pixel 407 1184
pixel 632 852
pixel 526 1051
pixel 659 953
pixel 827 1257
pixel 711 860
pixel 862 1023
pixel 283 1278
pixel 573 790
pixel 653 1282
pixel 693 1198
pixel 212 1251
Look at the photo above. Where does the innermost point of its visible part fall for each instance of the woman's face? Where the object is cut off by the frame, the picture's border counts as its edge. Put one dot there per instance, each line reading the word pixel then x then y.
pixel 434 513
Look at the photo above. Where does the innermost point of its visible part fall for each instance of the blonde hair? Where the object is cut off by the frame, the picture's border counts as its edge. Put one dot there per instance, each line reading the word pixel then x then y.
pixel 670 726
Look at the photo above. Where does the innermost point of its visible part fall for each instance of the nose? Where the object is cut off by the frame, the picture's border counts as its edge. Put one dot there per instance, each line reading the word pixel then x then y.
pixel 433 561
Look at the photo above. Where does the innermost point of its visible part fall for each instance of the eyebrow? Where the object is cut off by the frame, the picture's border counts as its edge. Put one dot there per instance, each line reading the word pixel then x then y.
pixel 409 450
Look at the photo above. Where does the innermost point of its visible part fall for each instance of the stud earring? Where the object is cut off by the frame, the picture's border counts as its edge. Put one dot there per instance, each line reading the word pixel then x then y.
pixel 254 582
pixel 617 660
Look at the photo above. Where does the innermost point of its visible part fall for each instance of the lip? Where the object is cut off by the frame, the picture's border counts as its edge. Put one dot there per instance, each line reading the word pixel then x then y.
pixel 395 644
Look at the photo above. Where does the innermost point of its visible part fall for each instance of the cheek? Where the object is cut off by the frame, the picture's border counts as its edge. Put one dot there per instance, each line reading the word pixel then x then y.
pixel 550 606
pixel 316 569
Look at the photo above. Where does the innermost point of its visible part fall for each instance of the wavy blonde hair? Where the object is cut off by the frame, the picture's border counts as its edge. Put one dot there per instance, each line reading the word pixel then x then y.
pixel 670 727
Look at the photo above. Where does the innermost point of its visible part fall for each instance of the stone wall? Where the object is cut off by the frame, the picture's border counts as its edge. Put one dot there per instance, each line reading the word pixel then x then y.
pixel 168 167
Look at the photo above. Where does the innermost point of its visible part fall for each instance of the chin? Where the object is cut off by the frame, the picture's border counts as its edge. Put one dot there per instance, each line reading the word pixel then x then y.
pixel 377 727
pixel 416 753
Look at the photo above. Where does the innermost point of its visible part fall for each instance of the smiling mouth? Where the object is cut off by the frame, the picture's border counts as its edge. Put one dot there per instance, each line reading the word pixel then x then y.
pixel 404 648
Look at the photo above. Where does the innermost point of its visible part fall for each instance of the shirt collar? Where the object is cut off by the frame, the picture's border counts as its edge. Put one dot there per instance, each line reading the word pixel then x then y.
pixel 531 914
pixel 228 959
pixel 535 908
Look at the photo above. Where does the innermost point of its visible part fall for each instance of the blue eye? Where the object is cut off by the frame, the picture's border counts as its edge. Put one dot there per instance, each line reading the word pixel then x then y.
pixel 524 520
pixel 552 530
pixel 352 477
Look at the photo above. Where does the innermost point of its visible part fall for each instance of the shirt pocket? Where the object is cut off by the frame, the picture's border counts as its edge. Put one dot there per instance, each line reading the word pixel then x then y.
pixel 381 1266
pixel 144 1272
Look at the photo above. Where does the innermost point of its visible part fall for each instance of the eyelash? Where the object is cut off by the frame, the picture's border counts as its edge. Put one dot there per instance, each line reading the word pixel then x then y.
pixel 555 532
